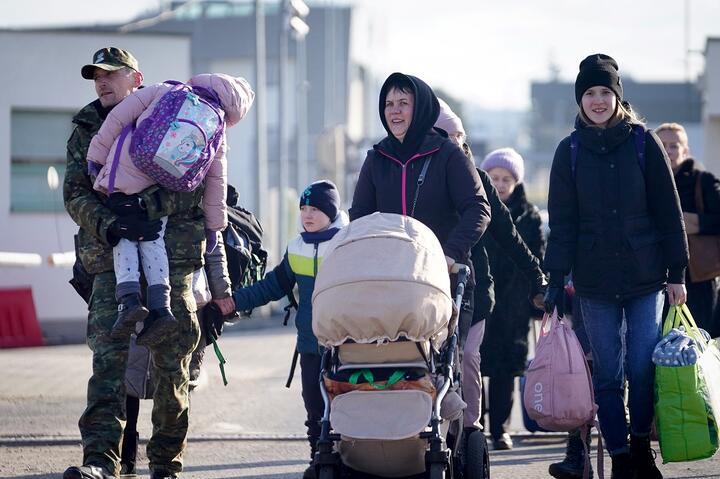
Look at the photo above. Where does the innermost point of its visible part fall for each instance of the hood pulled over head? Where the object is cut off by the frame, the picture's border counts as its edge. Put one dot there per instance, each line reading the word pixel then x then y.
pixel 235 95
pixel 425 112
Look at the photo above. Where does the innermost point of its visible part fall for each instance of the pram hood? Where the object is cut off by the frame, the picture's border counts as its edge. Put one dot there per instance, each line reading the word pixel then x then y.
pixel 383 277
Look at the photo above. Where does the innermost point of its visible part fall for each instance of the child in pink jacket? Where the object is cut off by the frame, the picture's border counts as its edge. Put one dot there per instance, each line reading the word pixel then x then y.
pixel 235 97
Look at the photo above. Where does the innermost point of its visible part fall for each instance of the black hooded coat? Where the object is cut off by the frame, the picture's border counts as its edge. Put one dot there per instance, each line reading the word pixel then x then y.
pixel 505 349
pixel 451 201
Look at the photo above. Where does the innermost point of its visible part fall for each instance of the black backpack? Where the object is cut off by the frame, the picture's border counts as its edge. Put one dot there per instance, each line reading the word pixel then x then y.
pixel 246 258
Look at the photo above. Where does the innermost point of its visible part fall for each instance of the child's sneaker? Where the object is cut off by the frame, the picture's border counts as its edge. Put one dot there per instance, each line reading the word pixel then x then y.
pixel 130 311
pixel 159 323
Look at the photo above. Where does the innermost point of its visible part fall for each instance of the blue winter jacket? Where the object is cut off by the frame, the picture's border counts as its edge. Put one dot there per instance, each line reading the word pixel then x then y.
pixel 301 262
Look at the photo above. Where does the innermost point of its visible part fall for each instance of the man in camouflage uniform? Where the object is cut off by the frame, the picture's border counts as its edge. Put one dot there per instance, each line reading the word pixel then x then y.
pixel 116 75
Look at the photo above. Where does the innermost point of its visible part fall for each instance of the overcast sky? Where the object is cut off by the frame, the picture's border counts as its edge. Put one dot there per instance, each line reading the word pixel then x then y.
pixel 483 52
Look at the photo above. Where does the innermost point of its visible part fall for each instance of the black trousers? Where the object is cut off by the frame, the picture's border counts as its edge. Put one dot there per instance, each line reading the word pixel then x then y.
pixel 130 438
pixel 500 403
pixel 314 404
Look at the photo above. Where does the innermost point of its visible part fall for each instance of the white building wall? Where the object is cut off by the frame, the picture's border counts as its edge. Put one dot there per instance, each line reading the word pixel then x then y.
pixel 43 72
pixel 711 106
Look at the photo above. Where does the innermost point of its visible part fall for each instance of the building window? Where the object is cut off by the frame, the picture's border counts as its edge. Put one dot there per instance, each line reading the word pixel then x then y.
pixel 38 141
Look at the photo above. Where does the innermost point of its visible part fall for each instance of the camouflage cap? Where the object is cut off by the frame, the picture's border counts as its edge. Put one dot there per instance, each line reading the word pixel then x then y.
pixel 109 59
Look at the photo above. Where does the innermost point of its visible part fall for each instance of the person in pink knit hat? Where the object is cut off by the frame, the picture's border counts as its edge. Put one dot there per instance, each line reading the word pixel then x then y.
pixel 117 175
pixel 501 234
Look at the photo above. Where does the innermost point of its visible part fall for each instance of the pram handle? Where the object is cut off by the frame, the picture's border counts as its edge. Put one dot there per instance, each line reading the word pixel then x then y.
pixel 463 272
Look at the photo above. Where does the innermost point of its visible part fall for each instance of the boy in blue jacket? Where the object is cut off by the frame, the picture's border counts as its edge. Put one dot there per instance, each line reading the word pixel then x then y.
pixel 320 219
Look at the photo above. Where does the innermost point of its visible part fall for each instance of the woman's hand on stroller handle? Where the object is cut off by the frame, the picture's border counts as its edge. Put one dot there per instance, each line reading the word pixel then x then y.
pixel 455 267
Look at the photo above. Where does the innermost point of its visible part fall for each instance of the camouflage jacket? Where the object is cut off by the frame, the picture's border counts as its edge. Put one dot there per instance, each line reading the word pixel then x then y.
pixel 185 230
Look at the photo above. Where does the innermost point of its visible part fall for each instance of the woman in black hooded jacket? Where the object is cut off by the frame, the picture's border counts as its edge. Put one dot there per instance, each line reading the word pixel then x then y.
pixel 451 201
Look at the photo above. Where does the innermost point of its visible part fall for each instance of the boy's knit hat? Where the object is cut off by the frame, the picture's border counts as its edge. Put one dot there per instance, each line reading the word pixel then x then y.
pixel 324 196
pixel 598 70
pixel 505 158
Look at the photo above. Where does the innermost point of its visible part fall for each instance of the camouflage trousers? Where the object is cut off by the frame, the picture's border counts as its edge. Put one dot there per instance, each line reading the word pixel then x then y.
pixel 103 421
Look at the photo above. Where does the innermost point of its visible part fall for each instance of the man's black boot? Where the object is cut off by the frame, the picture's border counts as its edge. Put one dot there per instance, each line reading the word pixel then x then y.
pixel 643 458
pixel 86 472
pixel 130 311
pixel 574 463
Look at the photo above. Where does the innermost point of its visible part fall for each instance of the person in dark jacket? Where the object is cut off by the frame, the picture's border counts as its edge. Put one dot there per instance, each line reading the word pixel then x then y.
pixel 692 180
pixel 451 200
pixel 505 351
pixel 616 223
pixel 502 231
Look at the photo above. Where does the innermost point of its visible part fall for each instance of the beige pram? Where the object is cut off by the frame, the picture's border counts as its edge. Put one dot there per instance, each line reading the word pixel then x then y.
pixel 383 310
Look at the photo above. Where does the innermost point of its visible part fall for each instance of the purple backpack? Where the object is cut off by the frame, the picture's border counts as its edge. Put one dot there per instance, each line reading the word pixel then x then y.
pixel 176 144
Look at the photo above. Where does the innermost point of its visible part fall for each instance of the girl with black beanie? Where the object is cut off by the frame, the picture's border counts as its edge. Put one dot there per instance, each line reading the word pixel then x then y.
pixel 616 224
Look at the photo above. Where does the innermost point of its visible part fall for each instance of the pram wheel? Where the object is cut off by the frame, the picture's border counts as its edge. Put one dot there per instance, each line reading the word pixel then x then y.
pixel 477 462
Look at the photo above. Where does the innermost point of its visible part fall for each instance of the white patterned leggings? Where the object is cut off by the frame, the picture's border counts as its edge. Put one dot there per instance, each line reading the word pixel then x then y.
pixel 153 258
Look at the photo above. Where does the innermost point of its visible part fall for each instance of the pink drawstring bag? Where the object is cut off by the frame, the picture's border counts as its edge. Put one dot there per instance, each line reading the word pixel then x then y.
pixel 558 392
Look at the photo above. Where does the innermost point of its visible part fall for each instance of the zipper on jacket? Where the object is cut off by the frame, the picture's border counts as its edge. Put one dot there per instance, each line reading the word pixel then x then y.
pixel 403 180
pixel 315 265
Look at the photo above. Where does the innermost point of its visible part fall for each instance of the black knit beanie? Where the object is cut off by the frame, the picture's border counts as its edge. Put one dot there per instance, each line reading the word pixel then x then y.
pixel 598 70
pixel 324 196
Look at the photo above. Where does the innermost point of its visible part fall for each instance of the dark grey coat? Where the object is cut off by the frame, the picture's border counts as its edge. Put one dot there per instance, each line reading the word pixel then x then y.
pixel 505 347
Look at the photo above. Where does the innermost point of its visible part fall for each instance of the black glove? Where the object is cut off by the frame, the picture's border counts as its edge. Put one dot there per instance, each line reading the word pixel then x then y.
pixel 555 294
pixel 133 228
pixel 126 205
pixel 213 322
pixel 538 287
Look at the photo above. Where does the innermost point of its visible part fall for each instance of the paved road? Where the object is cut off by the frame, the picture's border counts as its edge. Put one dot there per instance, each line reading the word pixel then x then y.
pixel 253 428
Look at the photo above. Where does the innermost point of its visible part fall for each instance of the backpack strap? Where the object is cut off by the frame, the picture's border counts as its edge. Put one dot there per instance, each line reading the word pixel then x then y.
pixel 639 136
pixel 638 133
pixel 284 282
pixel 293 365
pixel 116 158
pixel 206 93
pixel 420 181
pixel 573 151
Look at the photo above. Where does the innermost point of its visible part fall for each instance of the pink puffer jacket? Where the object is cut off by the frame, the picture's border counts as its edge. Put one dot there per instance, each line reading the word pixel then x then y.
pixel 236 98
